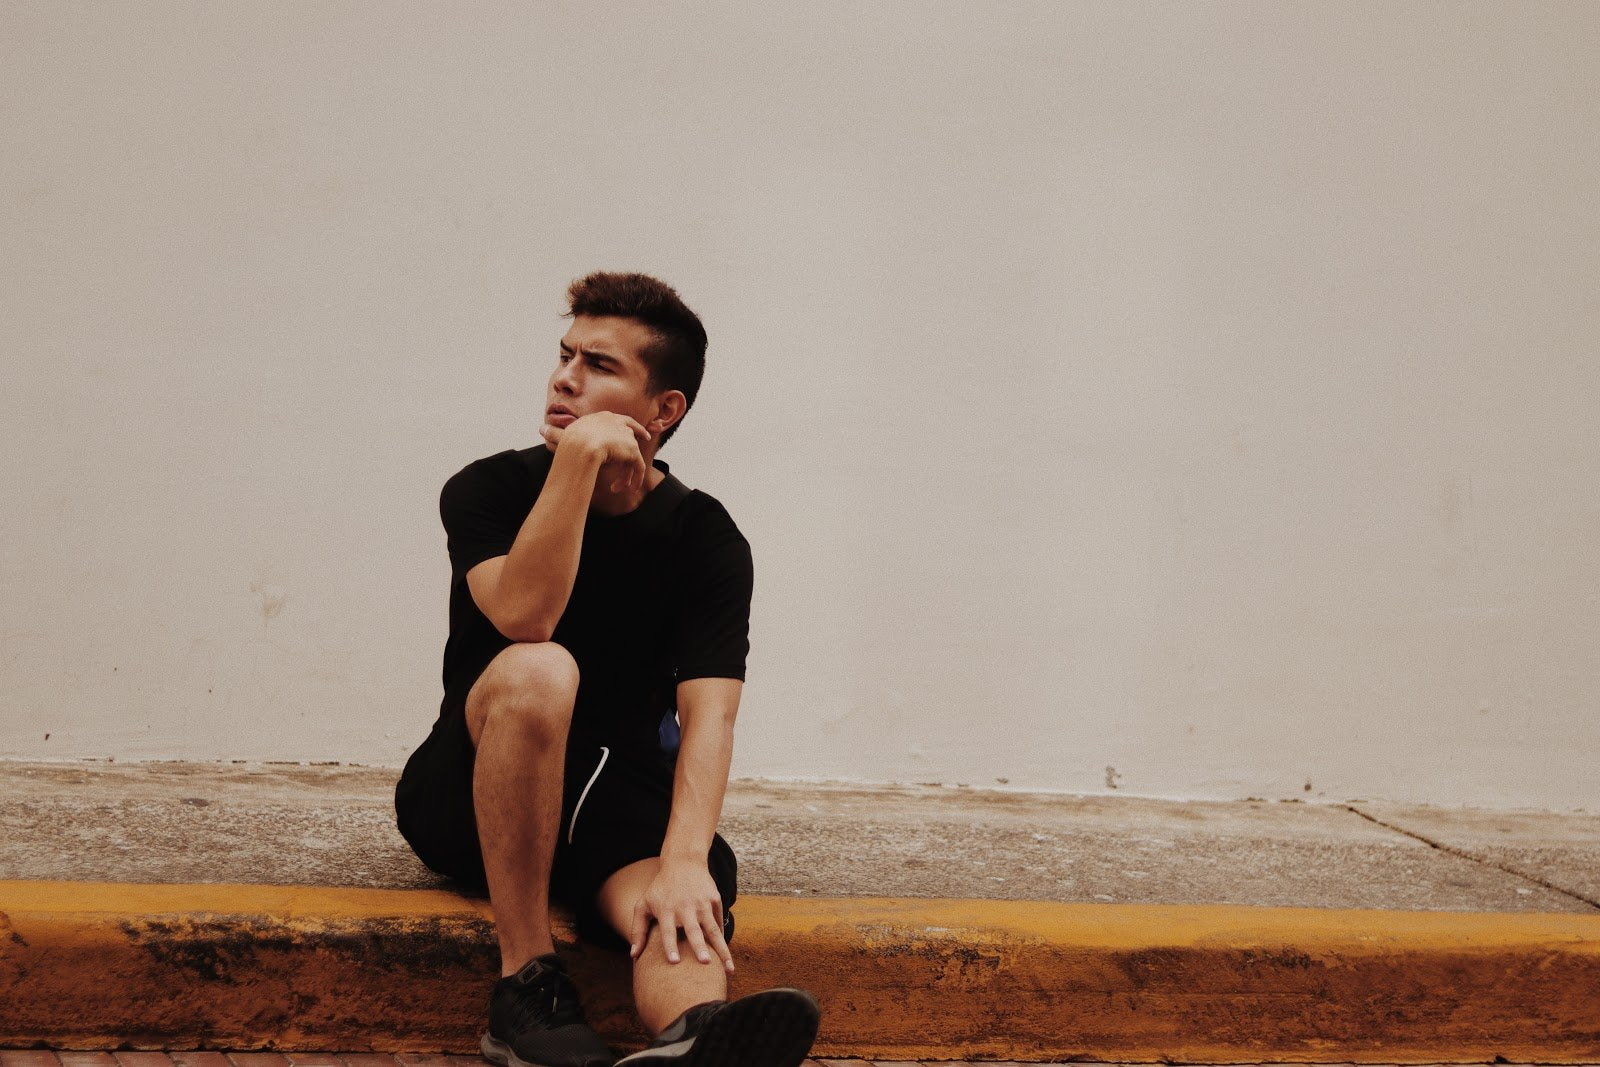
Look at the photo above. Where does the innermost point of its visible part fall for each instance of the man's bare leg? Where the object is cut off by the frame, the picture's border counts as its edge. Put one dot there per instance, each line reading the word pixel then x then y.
pixel 518 713
pixel 662 991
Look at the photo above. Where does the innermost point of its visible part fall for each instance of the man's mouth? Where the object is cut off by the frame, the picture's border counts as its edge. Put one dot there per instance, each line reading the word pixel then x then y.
pixel 559 415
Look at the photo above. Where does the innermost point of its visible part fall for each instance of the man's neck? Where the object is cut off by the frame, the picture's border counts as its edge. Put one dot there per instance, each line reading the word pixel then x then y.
pixel 605 502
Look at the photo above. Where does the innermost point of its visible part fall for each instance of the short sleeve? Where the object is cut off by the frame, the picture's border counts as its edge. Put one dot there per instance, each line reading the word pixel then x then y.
pixel 711 638
pixel 482 514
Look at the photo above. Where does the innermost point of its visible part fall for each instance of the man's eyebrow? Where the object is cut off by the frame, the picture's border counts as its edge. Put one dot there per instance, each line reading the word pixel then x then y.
pixel 591 353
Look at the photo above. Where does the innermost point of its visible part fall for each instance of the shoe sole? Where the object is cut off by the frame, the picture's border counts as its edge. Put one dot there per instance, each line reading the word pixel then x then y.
pixel 498 1052
pixel 772 1028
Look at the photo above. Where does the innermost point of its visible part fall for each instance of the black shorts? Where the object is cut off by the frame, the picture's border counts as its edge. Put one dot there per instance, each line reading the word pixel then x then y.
pixel 615 803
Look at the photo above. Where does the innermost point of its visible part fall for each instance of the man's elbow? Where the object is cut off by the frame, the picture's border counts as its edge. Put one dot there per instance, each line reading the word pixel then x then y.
pixel 716 709
pixel 531 628
pixel 720 719
pixel 707 726
pixel 529 636
pixel 714 715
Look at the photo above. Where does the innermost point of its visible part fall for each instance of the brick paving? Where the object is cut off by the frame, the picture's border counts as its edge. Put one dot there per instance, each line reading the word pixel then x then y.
pixel 68 1058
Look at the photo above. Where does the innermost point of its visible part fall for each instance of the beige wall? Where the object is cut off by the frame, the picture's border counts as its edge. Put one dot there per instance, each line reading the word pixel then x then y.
pixel 1198 400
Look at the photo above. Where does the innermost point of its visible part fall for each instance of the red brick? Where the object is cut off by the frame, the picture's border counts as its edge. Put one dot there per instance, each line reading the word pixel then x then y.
pixel 258 1059
pixel 368 1059
pixel 28 1058
pixel 86 1059
pixel 200 1059
pixel 143 1059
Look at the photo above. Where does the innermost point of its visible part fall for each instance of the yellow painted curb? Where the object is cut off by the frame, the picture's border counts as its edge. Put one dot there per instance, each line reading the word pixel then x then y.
pixel 184 966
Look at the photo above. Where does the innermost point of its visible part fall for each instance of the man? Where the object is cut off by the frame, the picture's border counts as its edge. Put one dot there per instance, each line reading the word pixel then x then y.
pixel 592 597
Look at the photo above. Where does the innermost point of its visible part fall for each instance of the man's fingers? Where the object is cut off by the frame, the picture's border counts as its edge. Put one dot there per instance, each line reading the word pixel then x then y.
pixel 669 935
pixel 697 941
pixel 638 930
pixel 616 475
pixel 719 945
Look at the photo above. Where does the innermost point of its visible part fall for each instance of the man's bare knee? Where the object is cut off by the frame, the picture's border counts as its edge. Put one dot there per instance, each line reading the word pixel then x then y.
pixel 528 686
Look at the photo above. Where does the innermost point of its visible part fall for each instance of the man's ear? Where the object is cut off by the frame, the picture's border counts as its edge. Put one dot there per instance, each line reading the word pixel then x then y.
pixel 670 407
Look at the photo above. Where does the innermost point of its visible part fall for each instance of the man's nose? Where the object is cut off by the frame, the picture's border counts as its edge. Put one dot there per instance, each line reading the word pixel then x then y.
pixel 565 377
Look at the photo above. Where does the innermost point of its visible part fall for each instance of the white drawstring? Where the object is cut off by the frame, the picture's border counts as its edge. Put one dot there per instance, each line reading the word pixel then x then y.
pixel 605 753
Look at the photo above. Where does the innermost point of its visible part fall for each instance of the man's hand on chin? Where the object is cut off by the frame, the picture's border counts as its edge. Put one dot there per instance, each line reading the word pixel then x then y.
pixel 682 896
pixel 617 439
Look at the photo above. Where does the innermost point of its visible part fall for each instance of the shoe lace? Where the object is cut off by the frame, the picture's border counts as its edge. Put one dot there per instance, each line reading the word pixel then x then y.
pixel 546 1004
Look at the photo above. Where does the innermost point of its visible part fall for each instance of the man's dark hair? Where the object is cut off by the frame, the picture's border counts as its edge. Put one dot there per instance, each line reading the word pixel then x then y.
pixel 677 357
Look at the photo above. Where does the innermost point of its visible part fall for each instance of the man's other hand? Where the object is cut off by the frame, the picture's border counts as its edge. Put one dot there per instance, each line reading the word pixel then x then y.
pixel 681 896
pixel 615 438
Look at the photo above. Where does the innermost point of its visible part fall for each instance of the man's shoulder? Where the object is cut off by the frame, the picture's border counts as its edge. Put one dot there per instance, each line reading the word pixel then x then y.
pixel 502 486
pixel 706 522
pixel 512 465
pixel 703 509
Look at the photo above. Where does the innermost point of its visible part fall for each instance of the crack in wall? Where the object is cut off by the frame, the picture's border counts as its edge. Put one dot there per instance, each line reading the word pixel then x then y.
pixel 1483 860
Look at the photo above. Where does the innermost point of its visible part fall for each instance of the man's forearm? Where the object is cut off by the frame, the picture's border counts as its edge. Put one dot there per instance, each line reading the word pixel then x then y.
pixel 543 561
pixel 705 754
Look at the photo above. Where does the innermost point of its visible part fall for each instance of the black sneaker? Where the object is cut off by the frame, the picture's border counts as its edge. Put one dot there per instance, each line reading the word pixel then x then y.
pixel 535 1020
pixel 773 1028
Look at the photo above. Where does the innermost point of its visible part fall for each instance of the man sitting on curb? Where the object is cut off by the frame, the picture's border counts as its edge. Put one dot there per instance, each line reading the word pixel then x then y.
pixel 592 595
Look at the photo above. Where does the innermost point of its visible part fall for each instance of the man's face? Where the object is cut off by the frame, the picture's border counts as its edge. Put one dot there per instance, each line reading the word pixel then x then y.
pixel 600 369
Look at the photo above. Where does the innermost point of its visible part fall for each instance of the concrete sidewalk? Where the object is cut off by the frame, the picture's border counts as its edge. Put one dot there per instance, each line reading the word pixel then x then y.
pixel 933 923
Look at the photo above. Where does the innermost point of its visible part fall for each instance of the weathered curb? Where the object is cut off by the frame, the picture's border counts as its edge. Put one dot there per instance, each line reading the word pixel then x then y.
pixel 86 965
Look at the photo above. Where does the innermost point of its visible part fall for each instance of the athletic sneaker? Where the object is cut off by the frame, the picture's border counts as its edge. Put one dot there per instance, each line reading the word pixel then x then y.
pixel 773 1028
pixel 535 1020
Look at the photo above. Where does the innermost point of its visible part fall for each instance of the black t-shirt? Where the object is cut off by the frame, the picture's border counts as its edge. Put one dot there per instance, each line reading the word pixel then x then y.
pixel 662 594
